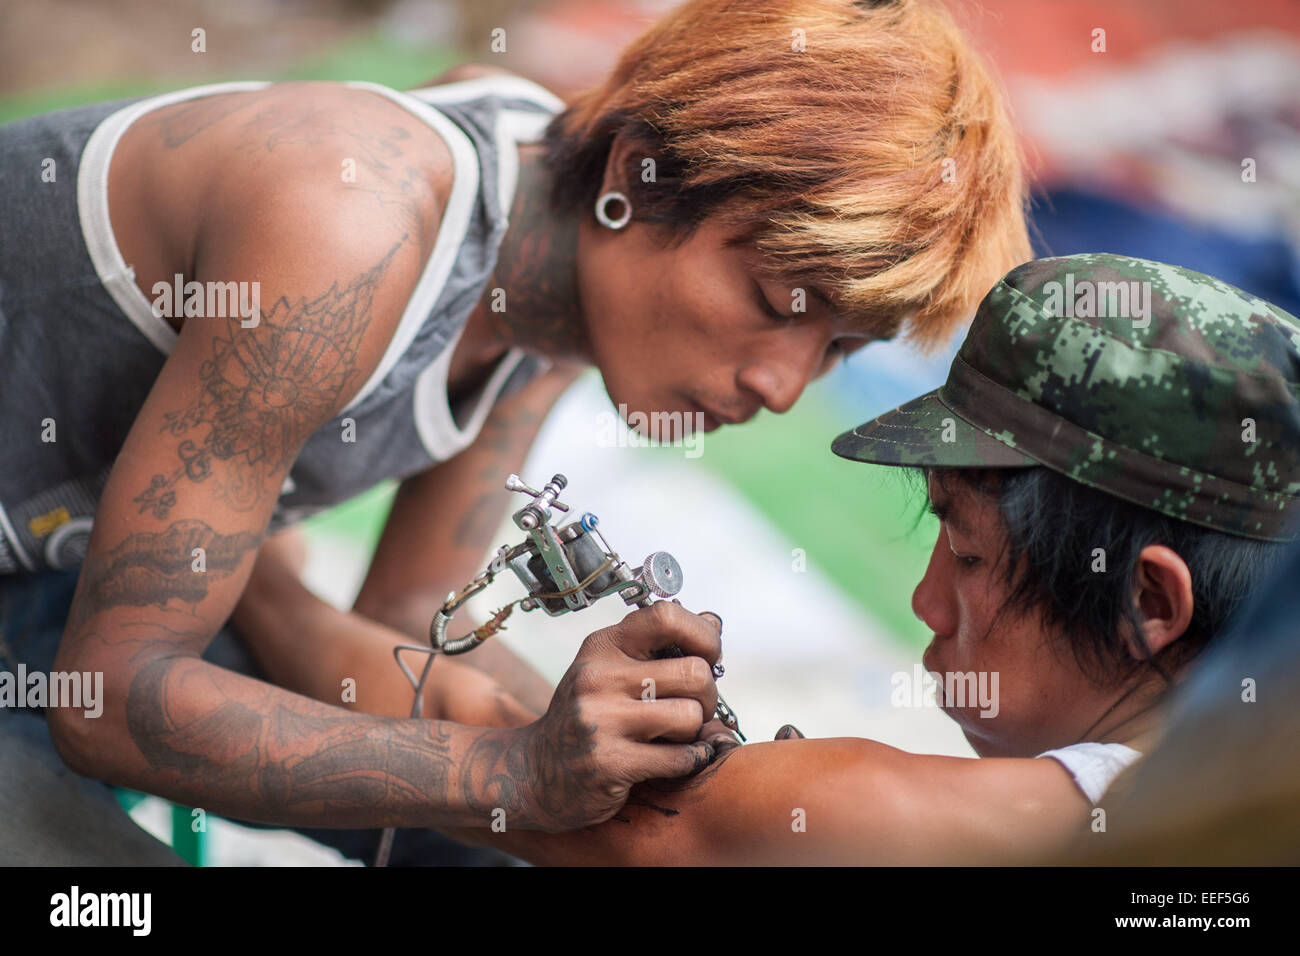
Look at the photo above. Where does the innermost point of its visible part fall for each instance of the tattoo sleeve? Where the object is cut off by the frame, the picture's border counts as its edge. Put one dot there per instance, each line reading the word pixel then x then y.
pixel 207 737
pixel 157 569
pixel 188 503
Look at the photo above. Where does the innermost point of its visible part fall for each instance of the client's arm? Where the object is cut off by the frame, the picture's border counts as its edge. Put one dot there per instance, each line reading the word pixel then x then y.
pixel 831 801
pixel 835 801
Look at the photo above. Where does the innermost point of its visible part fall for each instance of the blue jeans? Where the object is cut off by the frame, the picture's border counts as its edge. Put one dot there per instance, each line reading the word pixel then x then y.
pixel 51 816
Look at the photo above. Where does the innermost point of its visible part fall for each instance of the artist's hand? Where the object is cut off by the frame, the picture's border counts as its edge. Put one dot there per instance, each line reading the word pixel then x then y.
pixel 722 737
pixel 619 716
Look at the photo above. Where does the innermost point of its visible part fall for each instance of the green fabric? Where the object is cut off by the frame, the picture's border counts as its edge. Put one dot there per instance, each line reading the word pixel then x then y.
pixel 1153 383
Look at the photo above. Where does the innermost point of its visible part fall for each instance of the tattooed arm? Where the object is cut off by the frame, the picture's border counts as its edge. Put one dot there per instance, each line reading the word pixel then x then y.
pixel 177 525
pixel 862 802
pixel 190 496
pixel 149 602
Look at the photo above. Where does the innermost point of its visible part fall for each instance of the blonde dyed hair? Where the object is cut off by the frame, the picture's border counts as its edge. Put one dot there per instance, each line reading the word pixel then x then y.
pixel 830 161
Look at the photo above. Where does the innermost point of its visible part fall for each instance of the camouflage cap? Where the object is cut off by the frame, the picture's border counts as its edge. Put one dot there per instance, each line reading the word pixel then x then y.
pixel 1159 385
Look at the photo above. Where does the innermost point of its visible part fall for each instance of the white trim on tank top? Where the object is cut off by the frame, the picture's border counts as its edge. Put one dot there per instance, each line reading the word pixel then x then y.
pixel 92 206
pixel 119 279
pixel 435 422
pixel 433 416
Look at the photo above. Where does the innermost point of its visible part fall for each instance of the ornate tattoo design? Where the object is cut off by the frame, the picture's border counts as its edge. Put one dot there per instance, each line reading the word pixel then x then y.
pixel 553 767
pixel 286 752
pixel 150 568
pixel 263 391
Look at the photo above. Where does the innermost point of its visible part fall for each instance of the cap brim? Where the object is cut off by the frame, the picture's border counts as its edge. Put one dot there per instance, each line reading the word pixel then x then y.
pixel 925 432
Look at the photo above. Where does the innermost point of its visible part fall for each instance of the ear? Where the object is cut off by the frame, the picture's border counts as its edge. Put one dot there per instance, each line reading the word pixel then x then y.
pixel 1162 593
pixel 617 165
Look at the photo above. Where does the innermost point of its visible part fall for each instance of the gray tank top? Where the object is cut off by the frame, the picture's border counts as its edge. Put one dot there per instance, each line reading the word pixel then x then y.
pixel 80 345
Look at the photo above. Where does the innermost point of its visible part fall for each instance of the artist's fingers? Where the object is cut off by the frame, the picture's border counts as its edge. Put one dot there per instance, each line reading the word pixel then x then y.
pixel 716 618
pixel 647 632
pixel 673 760
pixel 789 732
pixel 677 719
pixel 675 677
pixel 719 735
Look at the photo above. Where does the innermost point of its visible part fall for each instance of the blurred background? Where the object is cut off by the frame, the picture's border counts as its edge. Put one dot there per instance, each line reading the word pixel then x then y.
pixel 1180 141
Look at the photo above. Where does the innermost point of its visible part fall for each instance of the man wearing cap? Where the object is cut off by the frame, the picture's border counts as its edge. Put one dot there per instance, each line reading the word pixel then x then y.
pixel 1111 479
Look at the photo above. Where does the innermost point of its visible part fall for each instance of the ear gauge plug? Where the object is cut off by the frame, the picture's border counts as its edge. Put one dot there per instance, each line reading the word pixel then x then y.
pixel 602 210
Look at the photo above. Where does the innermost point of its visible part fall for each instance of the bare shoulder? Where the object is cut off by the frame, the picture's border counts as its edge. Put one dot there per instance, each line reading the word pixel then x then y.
pixel 340 146
pixel 326 190
pixel 328 198
pixel 229 160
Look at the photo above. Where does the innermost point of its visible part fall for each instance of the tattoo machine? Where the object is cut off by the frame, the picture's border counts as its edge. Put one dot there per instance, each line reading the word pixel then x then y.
pixel 563 569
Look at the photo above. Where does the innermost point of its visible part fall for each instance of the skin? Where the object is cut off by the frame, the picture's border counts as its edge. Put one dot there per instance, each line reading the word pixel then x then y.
pixel 247 187
pixel 1046 702
pixel 726 339
pixel 865 802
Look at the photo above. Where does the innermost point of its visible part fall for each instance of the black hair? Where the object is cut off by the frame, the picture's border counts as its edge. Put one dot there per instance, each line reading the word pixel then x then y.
pixel 1053 527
